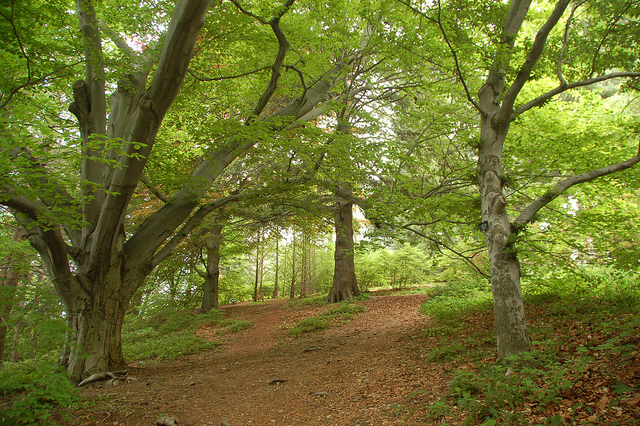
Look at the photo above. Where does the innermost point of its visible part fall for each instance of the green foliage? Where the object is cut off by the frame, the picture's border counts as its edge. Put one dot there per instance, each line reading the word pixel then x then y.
pixel 35 391
pixel 397 268
pixel 586 289
pixel 38 314
pixel 449 300
pixel 495 393
pixel 337 313
pixel 168 334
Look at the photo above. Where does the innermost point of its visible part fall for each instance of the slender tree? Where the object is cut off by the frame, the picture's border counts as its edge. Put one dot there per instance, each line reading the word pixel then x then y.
pixel 498 105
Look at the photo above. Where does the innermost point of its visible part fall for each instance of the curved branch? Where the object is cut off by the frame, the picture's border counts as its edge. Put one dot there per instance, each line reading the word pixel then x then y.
pixel 283 47
pixel 457 62
pixel 229 77
pixel 551 93
pixel 464 258
pixel 186 229
pixel 565 42
pixel 38 80
pixel 532 58
pixel 528 213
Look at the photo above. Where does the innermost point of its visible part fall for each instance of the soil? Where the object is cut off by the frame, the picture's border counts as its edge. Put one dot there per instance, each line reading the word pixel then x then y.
pixel 375 369
pixel 358 373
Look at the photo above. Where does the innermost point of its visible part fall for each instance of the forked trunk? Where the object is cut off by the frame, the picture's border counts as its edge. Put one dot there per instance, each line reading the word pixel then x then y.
pixel 345 285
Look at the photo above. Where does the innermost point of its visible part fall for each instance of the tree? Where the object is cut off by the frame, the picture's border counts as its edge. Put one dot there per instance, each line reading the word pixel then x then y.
pixel 10 271
pixel 80 231
pixel 210 286
pixel 345 285
pixel 497 104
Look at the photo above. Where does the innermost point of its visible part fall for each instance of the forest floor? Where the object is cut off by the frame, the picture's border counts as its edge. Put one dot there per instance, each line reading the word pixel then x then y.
pixel 375 369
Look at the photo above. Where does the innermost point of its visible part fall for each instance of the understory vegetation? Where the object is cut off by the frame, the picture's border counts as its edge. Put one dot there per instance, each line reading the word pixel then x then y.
pixel 334 315
pixel 586 363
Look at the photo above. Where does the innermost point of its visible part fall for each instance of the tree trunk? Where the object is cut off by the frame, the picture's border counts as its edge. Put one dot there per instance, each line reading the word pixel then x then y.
pixel 257 274
pixel 292 289
pixel 9 275
pixel 510 319
pixel 275 285
pixel 15 354
pixel 304 260
pixel 345 285
pixel 212 275
pixel 97 331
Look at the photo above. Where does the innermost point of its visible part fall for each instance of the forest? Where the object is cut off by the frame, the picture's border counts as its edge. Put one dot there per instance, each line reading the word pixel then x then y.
pixel 173 167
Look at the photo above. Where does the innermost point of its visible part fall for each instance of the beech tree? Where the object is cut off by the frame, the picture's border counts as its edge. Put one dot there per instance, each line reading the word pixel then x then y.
pixel 583 51
pixel 80 229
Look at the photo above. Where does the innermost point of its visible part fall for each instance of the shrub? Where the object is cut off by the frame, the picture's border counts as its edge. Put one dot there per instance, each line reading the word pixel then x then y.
pixel 35 391
pixel 450 300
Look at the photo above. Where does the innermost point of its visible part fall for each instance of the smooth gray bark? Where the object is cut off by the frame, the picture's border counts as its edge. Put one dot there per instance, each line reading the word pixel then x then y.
pixel 345 285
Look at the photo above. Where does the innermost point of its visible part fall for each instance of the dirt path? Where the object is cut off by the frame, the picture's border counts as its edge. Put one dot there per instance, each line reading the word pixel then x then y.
pixel 369 371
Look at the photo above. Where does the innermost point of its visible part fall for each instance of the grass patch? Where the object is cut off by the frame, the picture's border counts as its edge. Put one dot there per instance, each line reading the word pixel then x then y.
pixel 308 301
pixel 233 325
pixel 167 346
pixel 168 334
pixel 336 314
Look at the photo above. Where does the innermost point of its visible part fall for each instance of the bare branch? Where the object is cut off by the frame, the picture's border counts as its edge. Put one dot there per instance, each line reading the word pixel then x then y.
pixel 228 77
pixel 193 221
pixel 283 47
pixel 246 12
pixel 565 42
pixel 438 243
pixel 31 82
pixel 154 190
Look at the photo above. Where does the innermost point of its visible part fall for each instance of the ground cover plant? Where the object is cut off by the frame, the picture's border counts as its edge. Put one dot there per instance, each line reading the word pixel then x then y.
pixel 334 314
pixel 584 370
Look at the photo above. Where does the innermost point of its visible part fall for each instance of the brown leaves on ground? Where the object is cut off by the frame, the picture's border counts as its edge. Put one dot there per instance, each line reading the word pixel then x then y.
pixel 378 369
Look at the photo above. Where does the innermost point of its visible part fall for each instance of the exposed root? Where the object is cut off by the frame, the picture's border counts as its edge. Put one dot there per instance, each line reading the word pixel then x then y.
pixel 106 378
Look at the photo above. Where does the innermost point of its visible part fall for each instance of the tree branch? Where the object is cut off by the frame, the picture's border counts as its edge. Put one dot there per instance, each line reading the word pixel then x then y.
pixel 457 62
pixel 528 213
pixel 186 229
pixel 532 58
pixel 283 47
pixel 551 93
pixel 229 77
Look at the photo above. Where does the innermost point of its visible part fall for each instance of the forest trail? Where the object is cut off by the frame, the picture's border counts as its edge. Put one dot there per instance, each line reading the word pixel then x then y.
pixel 367 371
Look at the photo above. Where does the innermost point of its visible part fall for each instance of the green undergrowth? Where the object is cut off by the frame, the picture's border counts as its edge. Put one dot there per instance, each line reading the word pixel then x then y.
pixel 167 334
pixel 583 369
pixel 336 314
pixel 32 391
